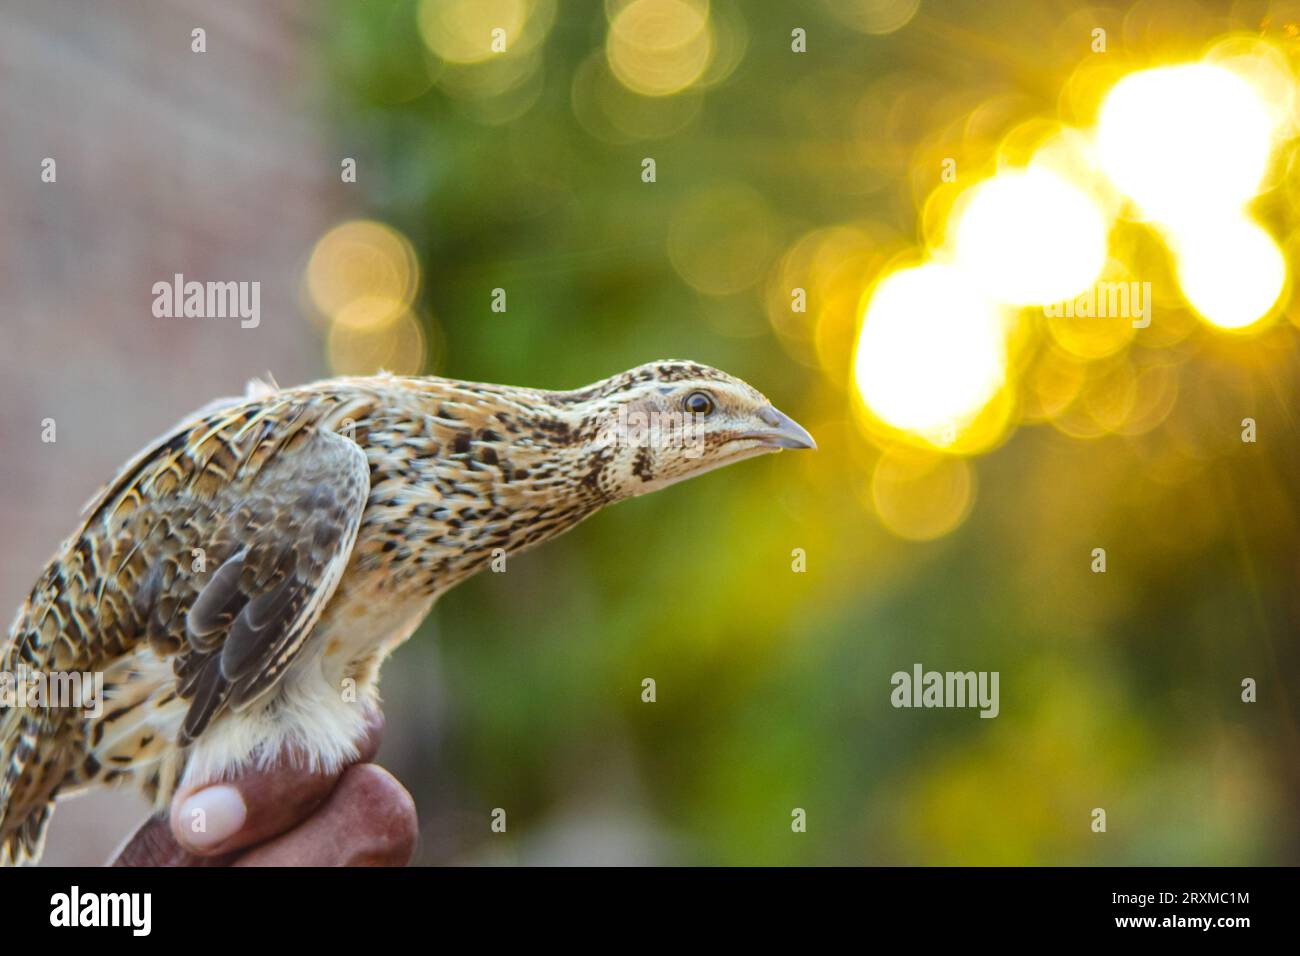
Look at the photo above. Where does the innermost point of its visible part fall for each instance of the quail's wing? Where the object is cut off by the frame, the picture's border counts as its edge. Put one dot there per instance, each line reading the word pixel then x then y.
pixel 220 545
pixel 284 544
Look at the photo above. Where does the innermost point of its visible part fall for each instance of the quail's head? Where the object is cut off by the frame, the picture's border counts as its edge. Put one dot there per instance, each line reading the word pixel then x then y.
pixel 667 421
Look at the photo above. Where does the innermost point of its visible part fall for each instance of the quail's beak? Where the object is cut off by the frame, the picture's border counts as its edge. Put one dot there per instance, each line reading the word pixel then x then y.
pixel 782 431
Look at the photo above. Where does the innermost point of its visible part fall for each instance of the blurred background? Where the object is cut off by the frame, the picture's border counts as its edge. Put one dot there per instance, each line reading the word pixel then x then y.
pixel 873 210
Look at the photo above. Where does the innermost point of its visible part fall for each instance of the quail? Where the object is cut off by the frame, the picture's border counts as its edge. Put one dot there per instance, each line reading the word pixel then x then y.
pixel 240 581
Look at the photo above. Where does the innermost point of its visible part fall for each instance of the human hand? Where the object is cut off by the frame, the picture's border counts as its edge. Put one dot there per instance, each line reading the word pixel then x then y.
pixel 361 816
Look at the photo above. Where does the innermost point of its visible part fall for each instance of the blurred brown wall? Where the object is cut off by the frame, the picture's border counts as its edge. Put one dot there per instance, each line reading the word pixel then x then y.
pixel 210 164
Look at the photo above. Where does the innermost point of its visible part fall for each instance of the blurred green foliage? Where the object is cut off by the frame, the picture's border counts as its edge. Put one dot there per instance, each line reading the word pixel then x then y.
pixel 1119 690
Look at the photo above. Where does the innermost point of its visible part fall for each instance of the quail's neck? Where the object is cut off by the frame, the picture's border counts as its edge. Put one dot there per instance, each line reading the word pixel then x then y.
pixel 467 479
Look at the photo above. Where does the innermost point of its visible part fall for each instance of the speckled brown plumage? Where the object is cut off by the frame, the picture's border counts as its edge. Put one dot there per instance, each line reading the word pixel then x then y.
pixel 239 583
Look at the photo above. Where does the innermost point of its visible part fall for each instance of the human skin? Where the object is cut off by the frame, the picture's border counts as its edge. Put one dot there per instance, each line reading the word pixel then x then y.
pixel 360 816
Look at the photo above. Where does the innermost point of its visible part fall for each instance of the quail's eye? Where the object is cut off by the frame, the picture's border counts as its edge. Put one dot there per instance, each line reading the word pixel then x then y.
pixel 698 403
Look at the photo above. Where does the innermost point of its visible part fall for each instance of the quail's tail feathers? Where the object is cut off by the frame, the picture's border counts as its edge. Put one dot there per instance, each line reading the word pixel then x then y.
pixel 22 821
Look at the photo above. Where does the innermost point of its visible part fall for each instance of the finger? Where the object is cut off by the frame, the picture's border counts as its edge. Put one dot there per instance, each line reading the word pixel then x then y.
pixel 369 820
pixel 216 819
pixel 152 844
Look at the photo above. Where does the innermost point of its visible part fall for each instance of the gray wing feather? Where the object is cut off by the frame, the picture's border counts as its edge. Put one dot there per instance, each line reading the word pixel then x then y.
pixel 297 524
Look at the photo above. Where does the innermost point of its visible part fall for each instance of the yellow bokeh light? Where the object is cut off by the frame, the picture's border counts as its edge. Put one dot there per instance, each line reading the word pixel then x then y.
pixel 361 259
pixel 461 31
pixel 1231 271
pixel 1051 384
pixel 369 313
pixel 611 112
pixel 922 497
pixel 1155 392
pixel 813 297
pixel 1267 69
pixel 395 346
pixel 931 353
pixel 1030 237
pixel 660 47
pixel 1105 319
pixel 493 89
pixel 1109 393
pixel 873 16
pixel 1183 141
